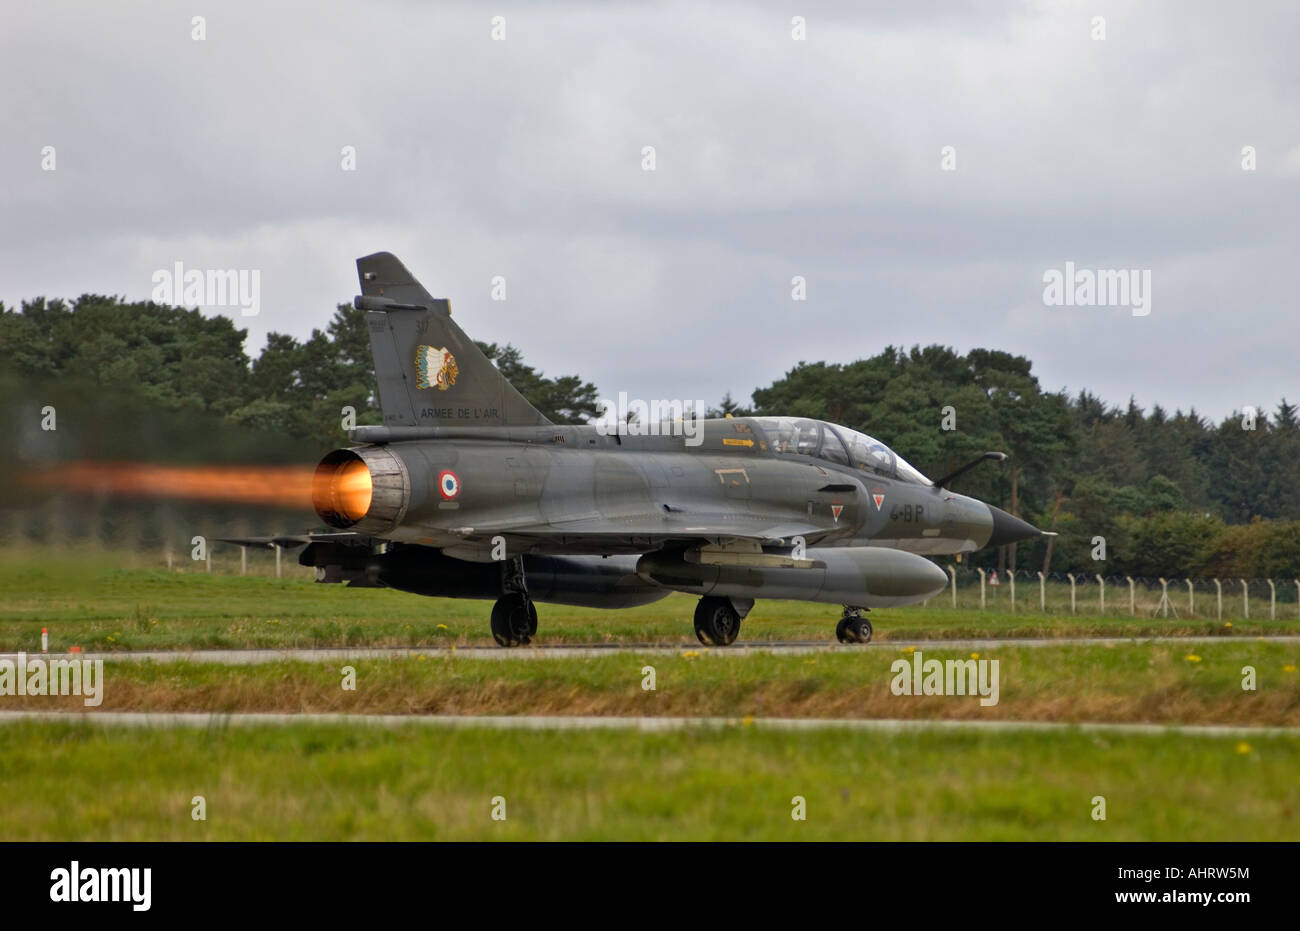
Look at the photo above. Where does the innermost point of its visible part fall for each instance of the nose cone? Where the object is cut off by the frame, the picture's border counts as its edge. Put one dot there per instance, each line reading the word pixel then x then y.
pixel 1009 529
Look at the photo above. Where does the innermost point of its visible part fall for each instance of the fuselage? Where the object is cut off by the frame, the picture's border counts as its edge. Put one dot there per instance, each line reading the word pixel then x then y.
pixel 547 489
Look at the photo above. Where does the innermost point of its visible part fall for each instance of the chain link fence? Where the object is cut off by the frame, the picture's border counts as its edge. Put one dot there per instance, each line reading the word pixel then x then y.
pixel 1137 596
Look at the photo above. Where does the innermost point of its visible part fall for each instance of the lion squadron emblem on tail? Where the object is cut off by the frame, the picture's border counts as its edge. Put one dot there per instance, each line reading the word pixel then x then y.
pixel 435 368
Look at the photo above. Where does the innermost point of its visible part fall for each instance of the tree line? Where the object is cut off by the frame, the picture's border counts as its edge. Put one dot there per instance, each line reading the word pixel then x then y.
pixel 1168 493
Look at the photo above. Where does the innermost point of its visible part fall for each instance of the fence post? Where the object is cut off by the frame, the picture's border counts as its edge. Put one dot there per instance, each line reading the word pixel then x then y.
pixel 1011 577
pixel 243 560
pixel 1070 575
pixel 1245 599
pixel 1218 595
pixel 1272 601
pixel 1132 597
pixel 1191 599
pixel 1101 588
pixel 953 572
pixel 981 572
pixel 1042 593
pixel 277 559
pixel 1164 598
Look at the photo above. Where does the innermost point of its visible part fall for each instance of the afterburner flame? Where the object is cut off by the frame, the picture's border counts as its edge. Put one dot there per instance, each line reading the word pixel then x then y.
pixel 347 490
pixel 272 486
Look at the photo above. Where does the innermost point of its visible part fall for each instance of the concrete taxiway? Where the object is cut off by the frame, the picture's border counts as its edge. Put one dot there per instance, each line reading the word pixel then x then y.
pixel 218 721
pixel 560 651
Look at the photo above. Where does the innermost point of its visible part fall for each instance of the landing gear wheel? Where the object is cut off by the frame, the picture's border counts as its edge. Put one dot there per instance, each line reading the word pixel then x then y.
pixel 514 620
pixel 853 628
pixel 716 622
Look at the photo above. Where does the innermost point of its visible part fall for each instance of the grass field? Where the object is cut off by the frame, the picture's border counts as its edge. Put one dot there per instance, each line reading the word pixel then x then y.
pixel 89 602
pixel 303 781
pixel 1157 683
pixel 74 782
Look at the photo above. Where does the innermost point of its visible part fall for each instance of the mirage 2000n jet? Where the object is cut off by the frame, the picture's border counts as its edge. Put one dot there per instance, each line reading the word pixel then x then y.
pixel 467 491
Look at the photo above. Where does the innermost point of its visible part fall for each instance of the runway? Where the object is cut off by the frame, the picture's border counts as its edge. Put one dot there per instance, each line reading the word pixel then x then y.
pixel 561 651
pixel 218 721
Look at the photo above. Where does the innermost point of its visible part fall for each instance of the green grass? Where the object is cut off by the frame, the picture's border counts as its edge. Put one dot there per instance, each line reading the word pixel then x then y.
pixel 90 602
pixel 71 781
pixel 80 782
pixel 1130 682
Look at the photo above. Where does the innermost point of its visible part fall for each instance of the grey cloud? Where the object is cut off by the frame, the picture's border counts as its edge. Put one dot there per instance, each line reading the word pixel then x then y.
pixel 775 158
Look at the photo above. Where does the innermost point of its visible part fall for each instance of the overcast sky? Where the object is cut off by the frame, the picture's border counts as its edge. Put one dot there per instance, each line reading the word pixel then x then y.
pixel 774 158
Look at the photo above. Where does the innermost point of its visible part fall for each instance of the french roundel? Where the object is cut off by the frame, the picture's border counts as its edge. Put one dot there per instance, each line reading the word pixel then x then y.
pixel 448 484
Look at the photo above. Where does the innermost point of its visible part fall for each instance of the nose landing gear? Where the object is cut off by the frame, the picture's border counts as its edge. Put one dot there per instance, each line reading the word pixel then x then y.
pixel 853 627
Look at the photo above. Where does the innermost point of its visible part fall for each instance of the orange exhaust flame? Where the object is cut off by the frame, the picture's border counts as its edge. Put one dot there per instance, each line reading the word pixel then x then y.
pixel 272 486
pixel 344 490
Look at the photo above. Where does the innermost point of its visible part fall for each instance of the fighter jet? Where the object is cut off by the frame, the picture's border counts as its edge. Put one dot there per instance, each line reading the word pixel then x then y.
pixel 468 491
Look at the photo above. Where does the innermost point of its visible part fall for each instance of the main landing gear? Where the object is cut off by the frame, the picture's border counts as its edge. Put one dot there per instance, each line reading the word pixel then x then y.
pixel 853 627
pixel 514 620
pixel 514 616
pixel 717 620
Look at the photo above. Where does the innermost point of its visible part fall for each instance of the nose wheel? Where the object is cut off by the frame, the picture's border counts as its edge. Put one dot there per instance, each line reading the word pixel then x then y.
pixel 853 627
pixel 717 623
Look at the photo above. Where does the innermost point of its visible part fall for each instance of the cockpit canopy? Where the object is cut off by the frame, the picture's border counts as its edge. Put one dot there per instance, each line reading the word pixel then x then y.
pixel 839 445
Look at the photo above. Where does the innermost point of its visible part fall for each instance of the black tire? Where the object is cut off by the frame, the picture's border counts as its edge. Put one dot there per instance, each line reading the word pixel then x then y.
pixel 716 622
pixel 514 620
pixel 842 630
pixel 853 629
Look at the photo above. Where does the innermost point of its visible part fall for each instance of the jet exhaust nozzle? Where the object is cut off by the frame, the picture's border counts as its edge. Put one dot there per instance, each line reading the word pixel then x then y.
pixel 366 489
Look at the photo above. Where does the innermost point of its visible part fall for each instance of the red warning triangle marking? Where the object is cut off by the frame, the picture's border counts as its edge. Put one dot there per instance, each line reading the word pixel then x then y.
pixel 879 499
pixel 835 510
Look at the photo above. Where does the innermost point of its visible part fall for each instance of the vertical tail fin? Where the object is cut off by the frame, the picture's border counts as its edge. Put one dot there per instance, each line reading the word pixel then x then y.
pixel 430 373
